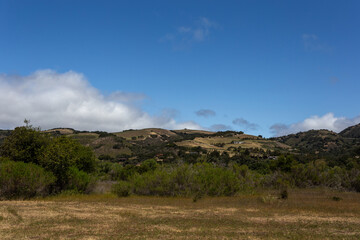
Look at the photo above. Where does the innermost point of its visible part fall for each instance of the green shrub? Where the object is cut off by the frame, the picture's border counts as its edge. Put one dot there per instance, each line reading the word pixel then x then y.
pixel 356 184
pixel 104 168
pixel 155 183
pixel 24 145
pixel 336 198
pixel 284 194
pixel 186 180
pixel 79 181
pixel 216 181
pixel 248 179
pixel 122 189
pixel 148 165
pixel 62 154
pixel 182 180
pixel 23 180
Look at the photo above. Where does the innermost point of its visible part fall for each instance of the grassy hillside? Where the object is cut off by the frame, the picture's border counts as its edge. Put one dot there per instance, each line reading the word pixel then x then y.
pixel 137 145
pixel 228 144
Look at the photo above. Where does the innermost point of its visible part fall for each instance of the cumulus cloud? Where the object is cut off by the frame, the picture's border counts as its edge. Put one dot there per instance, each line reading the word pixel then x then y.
pixel 187 35
pixel 327 121
pixel 245 124
pixel 312 43
pixel 205 113
pixel 220 127
pixel 50 99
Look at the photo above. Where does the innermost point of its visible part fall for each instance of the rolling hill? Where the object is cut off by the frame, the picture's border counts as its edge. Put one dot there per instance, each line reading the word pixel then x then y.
pixel 167 145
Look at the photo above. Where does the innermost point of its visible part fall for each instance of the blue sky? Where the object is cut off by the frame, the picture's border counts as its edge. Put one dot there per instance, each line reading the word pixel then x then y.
pixel 264 67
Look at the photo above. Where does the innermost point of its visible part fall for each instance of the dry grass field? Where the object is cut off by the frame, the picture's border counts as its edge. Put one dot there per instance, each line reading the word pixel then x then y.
pixel 306 214
pixel 143 133
pixel 247 141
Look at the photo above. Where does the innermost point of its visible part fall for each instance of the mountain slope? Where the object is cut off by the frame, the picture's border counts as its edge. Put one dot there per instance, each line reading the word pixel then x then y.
pixel 314 140
pixel 351 132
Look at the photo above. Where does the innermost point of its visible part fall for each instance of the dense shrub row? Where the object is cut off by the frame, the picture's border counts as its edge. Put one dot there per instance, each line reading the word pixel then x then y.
pixel 213 180
pixel 183 180
pixel 316 173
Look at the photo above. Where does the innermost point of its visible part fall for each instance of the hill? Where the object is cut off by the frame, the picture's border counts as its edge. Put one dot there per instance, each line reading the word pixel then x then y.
pixel 313 140
pixel 325 144
pixel 133 146
pixel 351 132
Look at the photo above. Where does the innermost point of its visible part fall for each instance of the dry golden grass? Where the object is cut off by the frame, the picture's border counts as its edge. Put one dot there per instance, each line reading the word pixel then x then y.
pixel 145 133
pixel 65 131
pixel 307 214
pixel 247 141
pixel 196 143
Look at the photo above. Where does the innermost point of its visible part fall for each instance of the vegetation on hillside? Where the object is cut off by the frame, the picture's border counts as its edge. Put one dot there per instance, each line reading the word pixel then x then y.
pixel 168 163
pixel 351 132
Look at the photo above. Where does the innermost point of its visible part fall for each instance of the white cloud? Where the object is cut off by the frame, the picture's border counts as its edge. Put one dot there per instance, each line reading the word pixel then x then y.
pixel 312 43
pixel 184 29
pixel 328 121
pixel 187 35
pixel 199 31
pixel 50 99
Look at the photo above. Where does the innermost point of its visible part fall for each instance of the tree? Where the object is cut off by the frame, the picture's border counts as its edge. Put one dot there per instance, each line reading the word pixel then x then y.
pixel 62 154
pixel 24 144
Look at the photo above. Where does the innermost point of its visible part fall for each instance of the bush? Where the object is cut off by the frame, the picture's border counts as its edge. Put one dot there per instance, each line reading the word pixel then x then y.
pixel 284 194
pixel 80 181
pixel 23 180
pixel 122 189
pixel 117 146
pixel 156 183
pixel 24 145
pixel 148 165
pixel 336 198
pixel 106 157
pixel 62 154
pixel 186 180
pixel 216 181
pixel 248 179
pixel 356 184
